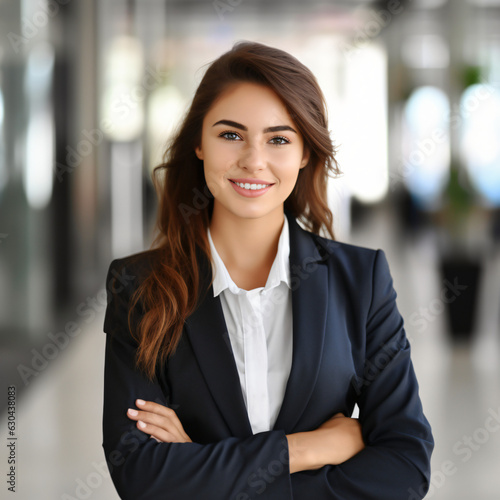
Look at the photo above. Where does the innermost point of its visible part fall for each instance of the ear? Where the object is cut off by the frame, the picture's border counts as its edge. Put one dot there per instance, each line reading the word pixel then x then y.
pixel 199 152
pixel 305 157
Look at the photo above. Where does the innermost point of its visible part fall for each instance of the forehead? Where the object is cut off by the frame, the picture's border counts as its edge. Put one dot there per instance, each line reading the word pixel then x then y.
pixel 245 101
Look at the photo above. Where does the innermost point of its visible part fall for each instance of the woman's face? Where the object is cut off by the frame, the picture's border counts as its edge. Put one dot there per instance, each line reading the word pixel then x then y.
pixel 249 137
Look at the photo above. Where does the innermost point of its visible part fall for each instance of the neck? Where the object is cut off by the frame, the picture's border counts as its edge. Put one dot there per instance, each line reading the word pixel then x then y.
pixel 247 244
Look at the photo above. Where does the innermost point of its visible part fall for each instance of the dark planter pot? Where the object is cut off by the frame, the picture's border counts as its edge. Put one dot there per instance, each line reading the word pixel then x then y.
pixel 462 278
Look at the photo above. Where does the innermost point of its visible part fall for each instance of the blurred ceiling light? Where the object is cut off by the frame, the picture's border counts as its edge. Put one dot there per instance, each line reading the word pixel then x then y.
pixel 122 106
pixel 126 198
pixel 1 108
pixel 165 108
pixel 429 4
pixel 485 3
pixel 362 128
pixel 40 137
pixel 425 51
pixel 480 112
pixel 3 166
pixel 426 145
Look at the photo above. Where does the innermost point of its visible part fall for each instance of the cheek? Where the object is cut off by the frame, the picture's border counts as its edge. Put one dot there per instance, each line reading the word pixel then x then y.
pixel 219 156
pixel 213 182
pixel 290 156
pixel 215 168
pixel 288 165
pixel 287 178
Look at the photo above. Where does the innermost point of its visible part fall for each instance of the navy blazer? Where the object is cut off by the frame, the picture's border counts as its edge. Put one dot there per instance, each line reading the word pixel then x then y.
pixel 349 347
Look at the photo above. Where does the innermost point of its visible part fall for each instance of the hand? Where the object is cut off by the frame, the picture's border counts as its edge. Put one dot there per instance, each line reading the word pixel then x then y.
pixel 159 421
pixel 332 443
pixel 343 437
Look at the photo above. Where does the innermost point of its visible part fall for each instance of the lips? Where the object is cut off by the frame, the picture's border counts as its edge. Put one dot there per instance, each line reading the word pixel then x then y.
pixel 251 186
pixel 252 181
pixel 248 192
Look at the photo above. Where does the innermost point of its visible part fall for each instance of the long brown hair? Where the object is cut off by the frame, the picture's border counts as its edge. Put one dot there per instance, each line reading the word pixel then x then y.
pixel 169 293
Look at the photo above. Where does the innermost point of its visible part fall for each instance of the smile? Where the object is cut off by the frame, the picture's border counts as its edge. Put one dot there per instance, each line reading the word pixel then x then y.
pixel 251 186
pixel 250 190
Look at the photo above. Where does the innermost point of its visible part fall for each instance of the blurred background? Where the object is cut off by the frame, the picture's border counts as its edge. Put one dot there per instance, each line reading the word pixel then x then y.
pixel 90 91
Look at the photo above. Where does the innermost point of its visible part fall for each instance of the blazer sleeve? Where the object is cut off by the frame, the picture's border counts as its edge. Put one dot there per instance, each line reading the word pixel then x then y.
pixel 142 468
pixel 395 464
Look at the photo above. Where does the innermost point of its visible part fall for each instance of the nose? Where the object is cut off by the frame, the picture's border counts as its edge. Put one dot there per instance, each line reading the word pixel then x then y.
pixel 252 158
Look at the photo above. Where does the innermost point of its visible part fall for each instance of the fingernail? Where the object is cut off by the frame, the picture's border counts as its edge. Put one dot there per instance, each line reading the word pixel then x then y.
pixel 141 424
pixel 140 402
pixel 132 412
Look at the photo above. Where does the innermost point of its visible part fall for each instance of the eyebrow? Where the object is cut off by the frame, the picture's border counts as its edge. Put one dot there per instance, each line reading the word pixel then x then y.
pixel 277 128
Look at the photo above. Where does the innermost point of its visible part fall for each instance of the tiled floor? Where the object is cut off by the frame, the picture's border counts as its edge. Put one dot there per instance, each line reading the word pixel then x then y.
pixel 59 415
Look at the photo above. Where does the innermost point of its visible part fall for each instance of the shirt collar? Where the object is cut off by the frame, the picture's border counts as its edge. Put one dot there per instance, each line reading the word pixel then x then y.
pixel 280 270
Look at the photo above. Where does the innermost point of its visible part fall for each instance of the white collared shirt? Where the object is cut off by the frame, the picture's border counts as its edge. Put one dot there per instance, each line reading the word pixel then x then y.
pixel 259 324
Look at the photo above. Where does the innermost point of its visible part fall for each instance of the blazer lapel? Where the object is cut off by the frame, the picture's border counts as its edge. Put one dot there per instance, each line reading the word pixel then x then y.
pixel 207 332
pixel 309 280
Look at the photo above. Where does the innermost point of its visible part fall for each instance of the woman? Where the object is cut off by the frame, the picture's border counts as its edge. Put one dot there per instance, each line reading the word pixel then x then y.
pixel 239 345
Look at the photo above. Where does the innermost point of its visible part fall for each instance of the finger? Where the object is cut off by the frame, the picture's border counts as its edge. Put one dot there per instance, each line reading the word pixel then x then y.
pixel 153 407
pixel 151 418
pixel 160 434
pixel 158 421
pixel 161 410
pixel 157 433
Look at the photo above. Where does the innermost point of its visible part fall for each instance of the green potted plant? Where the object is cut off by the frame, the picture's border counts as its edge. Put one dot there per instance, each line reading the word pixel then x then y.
pixel 460 264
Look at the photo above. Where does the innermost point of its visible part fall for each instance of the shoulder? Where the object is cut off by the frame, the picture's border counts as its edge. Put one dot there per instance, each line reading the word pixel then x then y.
pixel 345 251
pixel 123 278
pixel 352 266
pixel 129 271
pixel 346 255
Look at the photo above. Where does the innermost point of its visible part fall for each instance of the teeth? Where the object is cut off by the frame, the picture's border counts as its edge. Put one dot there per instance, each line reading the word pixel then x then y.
pixel 251 186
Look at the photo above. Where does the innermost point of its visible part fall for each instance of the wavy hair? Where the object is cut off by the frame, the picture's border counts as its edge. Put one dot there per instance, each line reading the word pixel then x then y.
pixel 168 294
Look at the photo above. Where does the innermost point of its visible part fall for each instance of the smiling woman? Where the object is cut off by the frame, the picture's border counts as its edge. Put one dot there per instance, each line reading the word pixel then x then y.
pixel 251 171
pixel 238 351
